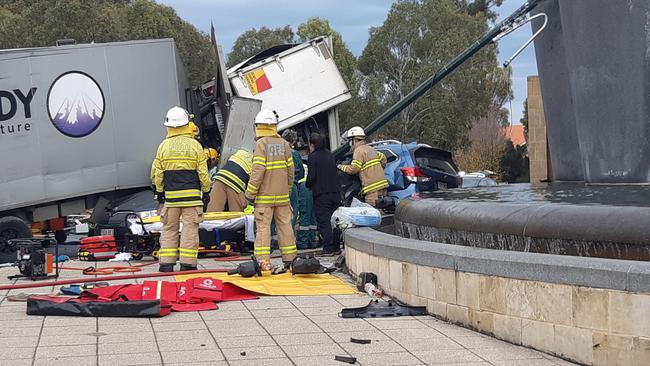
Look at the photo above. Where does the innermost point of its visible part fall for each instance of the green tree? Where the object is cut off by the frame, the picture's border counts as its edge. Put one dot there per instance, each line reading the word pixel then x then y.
pixel 39 23
pixel 417 39
pixel 254 41
pixel 524 118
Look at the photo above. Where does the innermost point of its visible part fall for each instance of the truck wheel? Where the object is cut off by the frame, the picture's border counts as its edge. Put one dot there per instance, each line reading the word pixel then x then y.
pixel 60 236
pixel 12 227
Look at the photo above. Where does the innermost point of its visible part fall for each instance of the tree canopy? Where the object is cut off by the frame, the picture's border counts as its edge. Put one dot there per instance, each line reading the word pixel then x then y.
pixel 38 23
pixel 253 41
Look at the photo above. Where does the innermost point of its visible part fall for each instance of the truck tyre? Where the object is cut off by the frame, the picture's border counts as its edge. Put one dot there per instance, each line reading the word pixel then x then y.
pixel 12 227
pixel 60 236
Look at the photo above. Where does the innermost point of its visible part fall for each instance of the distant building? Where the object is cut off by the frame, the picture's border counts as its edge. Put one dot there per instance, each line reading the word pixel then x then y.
pixel 515 133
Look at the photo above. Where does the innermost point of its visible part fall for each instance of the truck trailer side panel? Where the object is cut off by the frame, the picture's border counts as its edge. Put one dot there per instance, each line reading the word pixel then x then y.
pixel 93 124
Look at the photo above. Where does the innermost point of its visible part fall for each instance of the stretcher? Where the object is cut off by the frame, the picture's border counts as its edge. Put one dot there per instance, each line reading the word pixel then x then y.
pixel 212 221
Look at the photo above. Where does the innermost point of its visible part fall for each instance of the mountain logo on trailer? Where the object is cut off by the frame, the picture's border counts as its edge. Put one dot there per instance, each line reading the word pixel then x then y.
pixel 75 104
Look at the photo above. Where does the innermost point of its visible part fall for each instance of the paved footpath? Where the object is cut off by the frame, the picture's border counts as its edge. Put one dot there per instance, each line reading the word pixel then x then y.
pixel 277 331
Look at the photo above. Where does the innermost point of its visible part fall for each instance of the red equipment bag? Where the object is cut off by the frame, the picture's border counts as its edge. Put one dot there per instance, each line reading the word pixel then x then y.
pixel 97 248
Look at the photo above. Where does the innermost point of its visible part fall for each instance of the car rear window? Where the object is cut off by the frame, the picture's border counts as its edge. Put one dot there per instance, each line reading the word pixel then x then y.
pixel 434 159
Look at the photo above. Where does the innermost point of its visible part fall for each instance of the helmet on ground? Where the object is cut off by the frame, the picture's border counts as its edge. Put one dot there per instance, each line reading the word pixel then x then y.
pixel 355 132
pixel 176 117
pixel 266 117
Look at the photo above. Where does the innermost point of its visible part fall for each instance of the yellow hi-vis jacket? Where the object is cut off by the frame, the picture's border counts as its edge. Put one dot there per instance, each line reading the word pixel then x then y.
pixel 180 170
pixel 236 172
pixel 369 164
pixel 273 172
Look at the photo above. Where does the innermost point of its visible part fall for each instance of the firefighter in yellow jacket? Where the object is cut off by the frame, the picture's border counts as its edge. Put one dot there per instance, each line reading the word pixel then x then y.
pixel 182 184
pixel 369 164
pixel 230 183
pixel 269 188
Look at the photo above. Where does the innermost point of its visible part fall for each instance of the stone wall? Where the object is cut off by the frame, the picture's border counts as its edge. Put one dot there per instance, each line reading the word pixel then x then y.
pixel 588 324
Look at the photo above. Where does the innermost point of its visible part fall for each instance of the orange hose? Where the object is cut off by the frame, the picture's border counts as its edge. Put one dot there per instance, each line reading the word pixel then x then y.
pixel 91 271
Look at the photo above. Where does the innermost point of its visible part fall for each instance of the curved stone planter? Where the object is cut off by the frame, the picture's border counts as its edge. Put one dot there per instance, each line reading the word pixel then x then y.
pixel 589 310
pixel 579 230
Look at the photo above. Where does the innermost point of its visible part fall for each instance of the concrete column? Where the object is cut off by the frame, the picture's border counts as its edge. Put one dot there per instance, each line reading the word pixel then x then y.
pixel 537 142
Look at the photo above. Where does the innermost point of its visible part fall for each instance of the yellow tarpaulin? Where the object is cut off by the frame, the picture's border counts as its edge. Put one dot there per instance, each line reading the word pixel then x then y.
pixel 284 284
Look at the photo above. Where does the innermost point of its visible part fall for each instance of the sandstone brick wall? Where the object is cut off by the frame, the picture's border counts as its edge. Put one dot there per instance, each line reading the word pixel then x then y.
pixel 537 143
pixel 587 325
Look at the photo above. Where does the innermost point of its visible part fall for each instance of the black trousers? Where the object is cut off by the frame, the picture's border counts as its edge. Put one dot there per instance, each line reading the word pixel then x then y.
pixel 324 206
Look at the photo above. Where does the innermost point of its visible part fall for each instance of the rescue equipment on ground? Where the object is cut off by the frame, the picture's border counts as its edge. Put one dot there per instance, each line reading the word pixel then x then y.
pixel 247 269
pixel 149 299
pixel 285 284
pixel 359 214
pixel 33 260
pixel 306 264
pixel 366 277
pixel 383 309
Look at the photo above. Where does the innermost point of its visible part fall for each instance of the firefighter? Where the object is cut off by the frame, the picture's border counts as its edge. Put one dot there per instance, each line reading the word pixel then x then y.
pixel 269 188
pixel 182 185
pixel 368 163
pixel 230 183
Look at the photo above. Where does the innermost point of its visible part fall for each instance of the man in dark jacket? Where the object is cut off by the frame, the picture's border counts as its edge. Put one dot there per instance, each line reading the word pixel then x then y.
pixel 324 185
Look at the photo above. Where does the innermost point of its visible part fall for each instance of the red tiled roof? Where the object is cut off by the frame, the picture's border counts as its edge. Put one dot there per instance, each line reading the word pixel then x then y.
pixel 516 134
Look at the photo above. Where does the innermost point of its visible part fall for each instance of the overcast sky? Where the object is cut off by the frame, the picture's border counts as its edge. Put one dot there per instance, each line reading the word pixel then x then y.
pixel 352 18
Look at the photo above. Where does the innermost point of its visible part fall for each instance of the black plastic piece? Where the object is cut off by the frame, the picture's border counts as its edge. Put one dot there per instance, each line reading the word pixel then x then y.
pixel 247 269
pixel 360 341
pixel 307 264
pixel 346 359
pixel 383 309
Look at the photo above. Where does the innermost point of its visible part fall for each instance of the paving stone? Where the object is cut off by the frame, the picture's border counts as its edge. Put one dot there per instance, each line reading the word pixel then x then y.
pixel 16 353
pixel 67 361
pixel 189 325
pixel 313 349
pixel 450 330
pixel 399 358
pixel 235 328
pixel 237 342
pixel 303 338
pixel 269 302
pixel 23 362
pixel 420 333
pixel 135 344
pixel 348 325
pixel 289 325
pixel 209 363
pixel 535 362
pixel 427 344
pixel 480 342
pixel 221 314
pixel 187 344
pixel 69 340
pixel 252 352
pixel 313 301
pixel 447 356
pixel 190 357
pixel 18 316
pixel 319 361
pixel 506 353
pixel 334 310
pixel 125 328
pixel 107 322
pixel 276 313
pixel 262 362
pixel 122 338
pixel 133 358
pixel 343 337
pixel 66 351
pixel 66 321
pixel 397 324
pixel 19 332
pixel 19 342
pixel 23 323
pixel 383 346
pixel 229 306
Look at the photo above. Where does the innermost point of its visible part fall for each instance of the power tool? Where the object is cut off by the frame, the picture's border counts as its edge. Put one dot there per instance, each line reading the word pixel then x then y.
pixel 247 269
pixel 34 262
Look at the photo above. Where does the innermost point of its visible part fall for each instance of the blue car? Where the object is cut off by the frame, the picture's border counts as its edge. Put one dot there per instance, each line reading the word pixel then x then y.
pixel 411 168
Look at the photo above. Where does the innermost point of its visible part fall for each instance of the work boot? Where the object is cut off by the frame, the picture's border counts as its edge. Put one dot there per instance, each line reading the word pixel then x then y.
pixel 166 267
pixel 188 267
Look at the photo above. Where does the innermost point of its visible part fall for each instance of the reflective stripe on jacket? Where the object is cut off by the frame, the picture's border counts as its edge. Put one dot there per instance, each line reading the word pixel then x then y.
pixel 369 164
pixel 272 174
pixel 236 173
pixel 180 170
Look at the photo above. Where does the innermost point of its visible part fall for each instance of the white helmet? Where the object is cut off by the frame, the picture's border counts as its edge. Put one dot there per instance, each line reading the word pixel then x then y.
pixel 266 117
pixel 176 117
pixel 353 132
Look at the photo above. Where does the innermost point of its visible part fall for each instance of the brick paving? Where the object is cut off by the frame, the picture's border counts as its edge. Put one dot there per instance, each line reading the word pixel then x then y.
pixel 279 330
